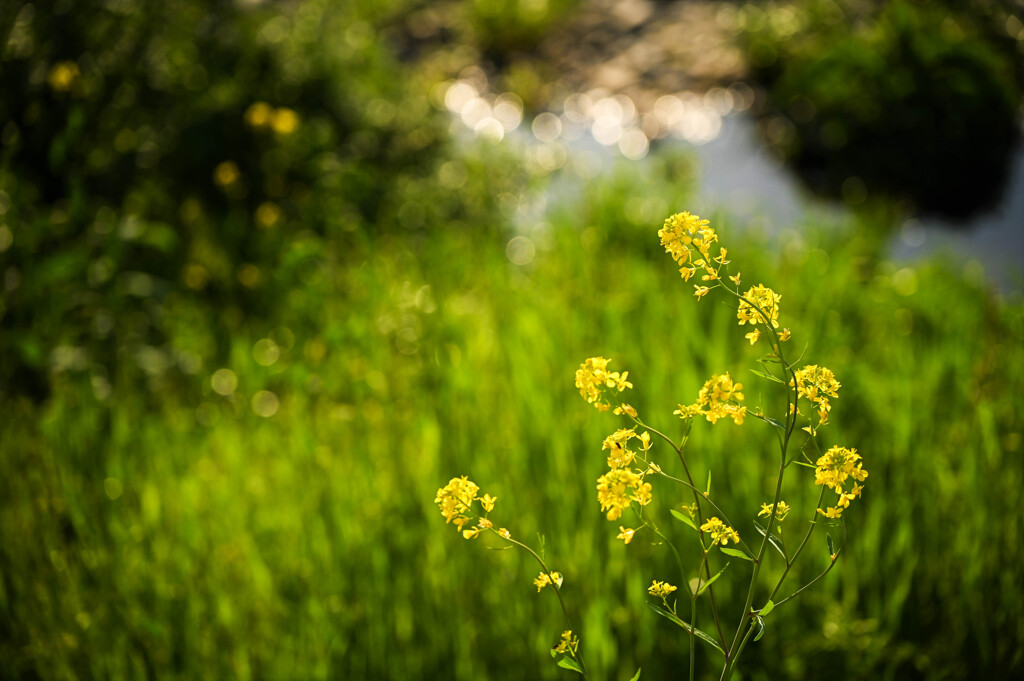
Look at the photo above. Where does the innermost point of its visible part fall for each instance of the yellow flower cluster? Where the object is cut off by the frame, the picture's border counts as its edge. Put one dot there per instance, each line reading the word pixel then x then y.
pixel 817 384
pixel 593 379
pixel 543 579
pixel 569 643
pixel 684 233
pixel 621 455
pixel 625 534
pixel 764 298
pixel 456 499
pixel 719 398
pixel 660 589
pixel 780 513
pixel 720 532
pixel 619 487
pixel 833 469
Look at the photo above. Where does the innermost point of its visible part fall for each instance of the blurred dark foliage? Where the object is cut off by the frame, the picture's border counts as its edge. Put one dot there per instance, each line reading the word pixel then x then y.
pixel 916 101
pixel 150 208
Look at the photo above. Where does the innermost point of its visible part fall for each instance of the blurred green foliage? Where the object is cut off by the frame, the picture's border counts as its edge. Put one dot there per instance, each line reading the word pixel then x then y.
pixel 915 101
pixel 213 470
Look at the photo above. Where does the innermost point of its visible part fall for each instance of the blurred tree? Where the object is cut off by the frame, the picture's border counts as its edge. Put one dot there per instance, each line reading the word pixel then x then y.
pixel 181 160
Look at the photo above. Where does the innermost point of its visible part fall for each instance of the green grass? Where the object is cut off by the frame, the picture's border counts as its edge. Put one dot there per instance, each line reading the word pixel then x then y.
pixel 306 545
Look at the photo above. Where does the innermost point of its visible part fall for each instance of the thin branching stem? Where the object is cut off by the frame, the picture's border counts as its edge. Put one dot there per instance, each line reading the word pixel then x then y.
pixel 576 655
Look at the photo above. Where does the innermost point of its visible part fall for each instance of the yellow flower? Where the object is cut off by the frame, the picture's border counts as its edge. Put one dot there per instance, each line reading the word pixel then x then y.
pixel 593 379
pixel 471 533
pixel 568 644
pixel 505 534
pixel 456 497
pixel 721 398
pixel 784 336
pixel 815 383
pixel 831 512
pixel 619 487
pixel 487 501
pixel 620 455
pixel 485 523
pixel 700 291
pixel 736 279
pixel 780 515
pixel 688 412
pixel 833 469
pixel 660 589
pixel 753 336
pixel 626 535
pixel 720 532
pixel 544 579
pixel 764 298
pixel 625 409
pixel 684 233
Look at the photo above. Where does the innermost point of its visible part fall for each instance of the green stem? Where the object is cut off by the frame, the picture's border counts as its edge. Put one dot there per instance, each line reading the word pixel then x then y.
pixel 558 592
pixel 725 518
pixel 799 550
pixel 697 496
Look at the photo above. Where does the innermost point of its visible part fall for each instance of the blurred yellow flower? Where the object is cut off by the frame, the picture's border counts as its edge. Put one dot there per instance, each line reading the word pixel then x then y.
pixel 544 579
pixel 593 378
pixel 626 535
pixel 780 515
pixel 258 115
pixel 267 214
pixel 226 174
pixel 285 121
pixel 63 76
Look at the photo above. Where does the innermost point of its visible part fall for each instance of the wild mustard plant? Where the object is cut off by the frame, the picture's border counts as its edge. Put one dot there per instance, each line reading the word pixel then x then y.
pixel 627 490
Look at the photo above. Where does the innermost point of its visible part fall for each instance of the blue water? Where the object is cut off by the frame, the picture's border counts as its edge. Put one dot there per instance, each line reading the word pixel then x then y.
pixel 741 176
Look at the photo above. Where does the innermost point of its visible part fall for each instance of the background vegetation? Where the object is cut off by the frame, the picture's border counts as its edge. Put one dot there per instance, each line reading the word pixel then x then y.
pixel 229 397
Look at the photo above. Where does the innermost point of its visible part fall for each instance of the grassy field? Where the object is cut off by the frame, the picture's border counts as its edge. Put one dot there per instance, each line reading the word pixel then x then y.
pixel 275 520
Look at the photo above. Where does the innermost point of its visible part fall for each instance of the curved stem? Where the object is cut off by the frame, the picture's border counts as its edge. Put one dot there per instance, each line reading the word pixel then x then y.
pixel 725 518
pixel 823 573
pixel 799 550
pixel 697 496
pixel 558 592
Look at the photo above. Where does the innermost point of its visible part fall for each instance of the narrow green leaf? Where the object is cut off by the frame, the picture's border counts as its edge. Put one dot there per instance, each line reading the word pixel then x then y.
pixel 569 663
pixel 704 636
pixel 802 463
pixel 737 553
pixel 760 631
pixel 768 607
pixel 636 676
pixel 553 653
pixel 707 491
pixel 711 581
pixel 775 423
pixel 773 540
pixel 765 376
pixel 685 518
pixel 831 545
